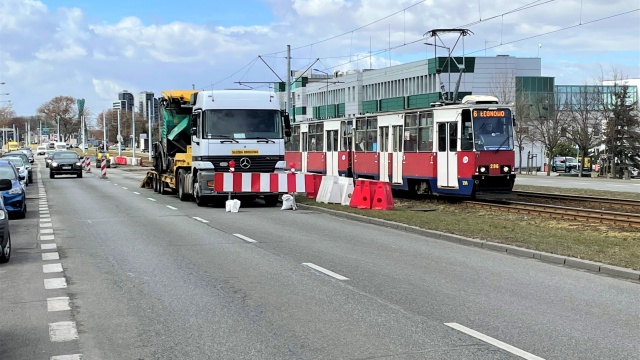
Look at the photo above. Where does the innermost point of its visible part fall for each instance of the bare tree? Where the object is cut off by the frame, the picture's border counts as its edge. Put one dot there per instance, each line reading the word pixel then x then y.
pixel 503 86
pixel 583 120
pixel 63 112
pixel 523 122
pixel 546 124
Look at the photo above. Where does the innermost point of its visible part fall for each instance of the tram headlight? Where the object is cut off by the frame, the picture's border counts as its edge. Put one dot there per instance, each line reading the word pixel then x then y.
pixel 483 170
pixel 506 169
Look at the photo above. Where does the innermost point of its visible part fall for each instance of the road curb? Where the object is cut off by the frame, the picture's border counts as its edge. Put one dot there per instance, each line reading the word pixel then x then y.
pixel 567 261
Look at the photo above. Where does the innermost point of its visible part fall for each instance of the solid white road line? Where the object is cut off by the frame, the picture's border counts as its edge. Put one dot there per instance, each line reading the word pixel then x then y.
pixel 55 283
pixel 51 268
pixel 58 304
pixel 172 208
pixel 47 237
pixel 48 246
pixel 325 271
pixel 201 219
pixel 63 331
pixel 67 357
pixel 245 238
pixel 152 199
pixel 137 193
pixel 50 256
pixel 125 188
pixel 497 343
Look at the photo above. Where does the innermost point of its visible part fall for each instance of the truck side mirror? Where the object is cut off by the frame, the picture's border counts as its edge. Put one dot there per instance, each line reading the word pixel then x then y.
pixel 287 124
pixel 194 131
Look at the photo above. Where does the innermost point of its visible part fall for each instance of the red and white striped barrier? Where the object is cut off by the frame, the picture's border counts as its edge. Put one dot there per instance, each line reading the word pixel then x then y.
pixel 84 163
pixel 260 182
pixel 103 168
pixel 87 164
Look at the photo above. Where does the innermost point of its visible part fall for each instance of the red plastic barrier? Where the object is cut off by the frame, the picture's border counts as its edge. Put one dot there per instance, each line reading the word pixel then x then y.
pixel 362 194
pixel 382 198
pixel 121 160
pixel 312 185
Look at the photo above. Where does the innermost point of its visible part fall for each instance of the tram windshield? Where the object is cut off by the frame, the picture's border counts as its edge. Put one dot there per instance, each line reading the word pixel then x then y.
pixel 493 129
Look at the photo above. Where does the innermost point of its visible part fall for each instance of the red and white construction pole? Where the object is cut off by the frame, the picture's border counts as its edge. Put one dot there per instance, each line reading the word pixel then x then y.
pixel 103 168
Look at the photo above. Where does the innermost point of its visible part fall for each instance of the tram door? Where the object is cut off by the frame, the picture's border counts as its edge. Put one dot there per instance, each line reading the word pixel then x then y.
pixel 304 140
pixel 331 152
pixel 383 152
pixel 448 155
pixel 397 154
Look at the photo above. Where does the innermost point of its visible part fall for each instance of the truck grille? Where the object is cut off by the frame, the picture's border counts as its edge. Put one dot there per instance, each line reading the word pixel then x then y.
pixel 264 164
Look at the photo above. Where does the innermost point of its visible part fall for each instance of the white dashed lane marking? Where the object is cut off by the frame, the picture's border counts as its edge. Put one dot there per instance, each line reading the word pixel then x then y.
pixel 50 256
pixel 63 331
pixel 46 231
pixel 125 188
pixel 325 271
pixel 55 283
pixel 497 343
pixel 245 238
pixel 201 219
pixel 137 193
pixel 58 304
pixel 48 246
pixel 67 357
pixel 47 237
pixel 172 208
pixel 152 199
pixel 51 268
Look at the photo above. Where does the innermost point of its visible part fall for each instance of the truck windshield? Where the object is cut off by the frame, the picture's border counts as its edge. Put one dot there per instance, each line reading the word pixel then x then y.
pixel 242 124
pixel 492 129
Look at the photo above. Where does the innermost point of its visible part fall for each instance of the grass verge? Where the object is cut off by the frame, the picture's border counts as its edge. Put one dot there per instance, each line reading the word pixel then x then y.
pixel 568 238
pixel 587 192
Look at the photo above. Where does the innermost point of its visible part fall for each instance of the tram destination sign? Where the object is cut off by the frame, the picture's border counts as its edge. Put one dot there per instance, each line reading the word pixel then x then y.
pixel 489 113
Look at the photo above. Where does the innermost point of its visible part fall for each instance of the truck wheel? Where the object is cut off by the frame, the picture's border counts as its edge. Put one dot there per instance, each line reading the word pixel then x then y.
pixel 270 200
pixel 196 196
pixel 161 187
pixel 182 195
pixel 155 183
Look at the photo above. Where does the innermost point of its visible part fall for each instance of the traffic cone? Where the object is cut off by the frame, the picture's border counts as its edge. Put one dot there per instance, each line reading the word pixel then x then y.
pixel 382 198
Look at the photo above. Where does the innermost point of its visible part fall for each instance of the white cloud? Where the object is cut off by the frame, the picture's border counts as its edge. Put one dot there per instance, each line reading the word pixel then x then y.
pixel 47 52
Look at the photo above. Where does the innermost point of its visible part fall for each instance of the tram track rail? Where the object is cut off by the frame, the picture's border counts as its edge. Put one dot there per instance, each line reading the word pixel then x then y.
pixel 563 212
pixel 630 205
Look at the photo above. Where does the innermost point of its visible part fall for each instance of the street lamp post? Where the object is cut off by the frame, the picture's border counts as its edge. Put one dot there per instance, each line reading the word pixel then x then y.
pixel 133 135
pixel 150 108
pixel 326 95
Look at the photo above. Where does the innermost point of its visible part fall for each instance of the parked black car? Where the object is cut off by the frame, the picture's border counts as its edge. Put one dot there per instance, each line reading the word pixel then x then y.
pixel 5 236
pixel 65 163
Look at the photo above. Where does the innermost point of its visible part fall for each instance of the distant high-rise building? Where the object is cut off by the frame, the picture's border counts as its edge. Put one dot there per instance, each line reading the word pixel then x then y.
pixel 144 97
pixel 127 98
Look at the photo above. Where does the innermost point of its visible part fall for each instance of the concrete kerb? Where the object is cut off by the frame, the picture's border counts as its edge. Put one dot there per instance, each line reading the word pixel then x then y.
pixel 571 262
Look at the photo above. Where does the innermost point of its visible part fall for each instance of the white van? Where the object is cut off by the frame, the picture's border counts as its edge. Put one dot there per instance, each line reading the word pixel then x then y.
pixel 61 146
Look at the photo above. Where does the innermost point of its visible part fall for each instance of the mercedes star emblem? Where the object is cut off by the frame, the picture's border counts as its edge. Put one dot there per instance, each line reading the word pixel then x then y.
pixel 245 163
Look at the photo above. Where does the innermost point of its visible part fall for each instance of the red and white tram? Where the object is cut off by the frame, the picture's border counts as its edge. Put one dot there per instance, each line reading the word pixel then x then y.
pixel 462 149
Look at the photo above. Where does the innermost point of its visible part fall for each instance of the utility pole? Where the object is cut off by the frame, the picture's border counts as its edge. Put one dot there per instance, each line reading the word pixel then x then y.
pixel 104 133
pixel 288 88
pixel 151 104
pixel 119 137
pixel 58 117
pixel 133 135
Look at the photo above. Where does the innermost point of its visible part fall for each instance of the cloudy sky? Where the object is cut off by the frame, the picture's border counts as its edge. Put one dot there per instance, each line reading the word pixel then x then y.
pixel 93 49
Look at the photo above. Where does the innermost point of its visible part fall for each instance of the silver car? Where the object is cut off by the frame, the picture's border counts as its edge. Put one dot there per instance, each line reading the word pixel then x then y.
pixel 29 153
pixel 22 170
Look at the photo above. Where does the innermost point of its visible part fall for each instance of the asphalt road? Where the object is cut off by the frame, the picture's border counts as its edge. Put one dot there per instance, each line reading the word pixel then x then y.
pixel 150 277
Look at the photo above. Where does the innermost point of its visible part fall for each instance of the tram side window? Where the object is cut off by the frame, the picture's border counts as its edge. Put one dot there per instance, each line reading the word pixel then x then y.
pixel 467 131
pixel 425 131
pixel 372 134
pixel 315 137
pixel 411 133
pixel 294 142
pixel 361 134
pixel 346 133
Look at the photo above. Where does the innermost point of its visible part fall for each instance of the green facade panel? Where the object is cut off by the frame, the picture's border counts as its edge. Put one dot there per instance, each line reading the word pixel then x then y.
pixel 392 104
pixel 441 62
pixel 370 106
pixel 301 110
pixel 535 84
pixel 341 109
pixel 280 87
pixel 422 100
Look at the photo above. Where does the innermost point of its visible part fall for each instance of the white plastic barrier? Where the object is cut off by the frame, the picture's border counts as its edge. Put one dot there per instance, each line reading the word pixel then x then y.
pixel 346 190
pixel 329 192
